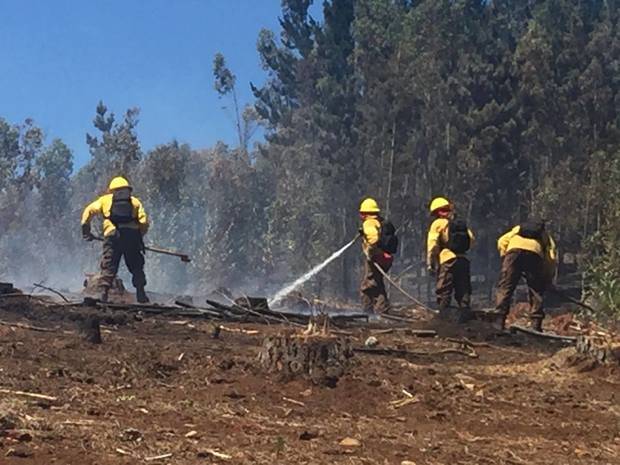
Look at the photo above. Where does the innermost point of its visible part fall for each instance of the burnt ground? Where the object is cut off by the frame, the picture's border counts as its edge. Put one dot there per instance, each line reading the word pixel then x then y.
pixel 159 386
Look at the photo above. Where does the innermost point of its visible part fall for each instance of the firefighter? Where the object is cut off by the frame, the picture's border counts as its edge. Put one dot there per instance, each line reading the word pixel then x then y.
pixel 527 250
pixel 375 243
pixel 124 224
pixel 448 241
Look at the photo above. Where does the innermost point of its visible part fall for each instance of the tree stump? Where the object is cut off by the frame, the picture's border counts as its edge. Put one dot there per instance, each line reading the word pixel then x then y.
pixel 91 330
pixel 321 359
pixel 603 350
pixel 6 288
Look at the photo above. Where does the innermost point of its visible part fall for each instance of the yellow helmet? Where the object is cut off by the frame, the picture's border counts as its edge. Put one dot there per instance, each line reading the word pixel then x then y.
pixel 439 203
pixel 118 183
pixel 369 205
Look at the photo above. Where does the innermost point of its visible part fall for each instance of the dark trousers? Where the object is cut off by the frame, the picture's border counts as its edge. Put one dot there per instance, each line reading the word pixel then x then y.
pixel 517 264
pixel 372 288
pixel 454 277
pixel 127 244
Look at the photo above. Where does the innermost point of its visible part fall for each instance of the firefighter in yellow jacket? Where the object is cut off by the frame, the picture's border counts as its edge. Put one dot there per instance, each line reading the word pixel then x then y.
pixel 527 250
pixel 124 224
pixel 374 294
pixel 448 241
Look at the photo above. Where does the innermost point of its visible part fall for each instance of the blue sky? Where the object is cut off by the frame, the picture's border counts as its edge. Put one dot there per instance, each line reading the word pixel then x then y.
pixel 60 57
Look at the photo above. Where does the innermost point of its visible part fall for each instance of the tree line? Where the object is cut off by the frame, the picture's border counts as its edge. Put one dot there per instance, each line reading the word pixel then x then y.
pixel 508 107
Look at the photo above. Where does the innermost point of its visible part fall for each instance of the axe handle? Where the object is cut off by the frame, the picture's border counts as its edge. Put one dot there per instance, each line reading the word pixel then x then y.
pixel 184 258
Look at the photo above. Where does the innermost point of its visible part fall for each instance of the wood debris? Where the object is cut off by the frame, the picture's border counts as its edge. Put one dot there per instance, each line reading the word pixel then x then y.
pixel 32 395
pixel 293 401
pixel 157 457
pixel 214 453
pixel 408 399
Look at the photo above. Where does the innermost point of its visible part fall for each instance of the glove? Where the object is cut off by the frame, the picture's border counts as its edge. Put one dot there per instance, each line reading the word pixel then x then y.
pixel 86 234
pixel 432 269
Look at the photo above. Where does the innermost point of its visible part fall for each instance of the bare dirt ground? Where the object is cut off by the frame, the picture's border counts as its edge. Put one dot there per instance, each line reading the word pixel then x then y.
pixel 159 387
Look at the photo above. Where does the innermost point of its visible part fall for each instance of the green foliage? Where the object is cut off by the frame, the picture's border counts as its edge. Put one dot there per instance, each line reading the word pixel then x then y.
pixel 224 78
pixel 116 151
pixel 54 169
pixel 602 274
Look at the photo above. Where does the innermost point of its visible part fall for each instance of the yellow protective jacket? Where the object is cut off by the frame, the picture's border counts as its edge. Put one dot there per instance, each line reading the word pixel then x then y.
pixel 437 240
pixel 103 205
pixel 545 248
pixel 371 232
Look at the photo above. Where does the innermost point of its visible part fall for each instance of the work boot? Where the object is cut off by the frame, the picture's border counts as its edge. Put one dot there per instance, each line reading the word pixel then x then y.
pixel 536 324
pixel 141 296
pixel 104 296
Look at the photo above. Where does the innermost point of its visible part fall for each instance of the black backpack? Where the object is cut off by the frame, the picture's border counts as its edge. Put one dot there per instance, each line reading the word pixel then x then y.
pixel 532 229
pixel 388 240
pixel 122 210
pixel 458 237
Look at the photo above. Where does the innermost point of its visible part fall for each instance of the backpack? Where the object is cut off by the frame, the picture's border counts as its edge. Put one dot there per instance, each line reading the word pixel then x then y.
pixel 388 240
pixel 122 210
pixel 532 229
pixel 458 236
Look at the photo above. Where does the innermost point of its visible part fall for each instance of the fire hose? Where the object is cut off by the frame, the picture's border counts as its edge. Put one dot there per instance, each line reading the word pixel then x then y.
pixel 405 293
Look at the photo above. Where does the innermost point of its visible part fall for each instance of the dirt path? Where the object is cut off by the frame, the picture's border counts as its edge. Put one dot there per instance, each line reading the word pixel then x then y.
pixel 158 387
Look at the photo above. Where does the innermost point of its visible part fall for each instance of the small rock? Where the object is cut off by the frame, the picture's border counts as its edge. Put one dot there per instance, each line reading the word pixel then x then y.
pixel 192 434
pixel 371 342
pixel 131 434
pixel 226 364
pixel 407 462
pixel 309 435
pixel 20 451
pixel 350 442
pixel 8 421
pixel 19 436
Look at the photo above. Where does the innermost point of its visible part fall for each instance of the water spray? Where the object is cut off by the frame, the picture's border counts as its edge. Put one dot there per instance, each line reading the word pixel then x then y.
pixel 301 280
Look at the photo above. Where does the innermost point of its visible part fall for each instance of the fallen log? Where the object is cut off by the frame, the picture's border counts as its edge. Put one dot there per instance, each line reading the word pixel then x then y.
pixel 398 318
pixel 261 306
pixel 192 310
pixel 29 327
pixel 266 316
pixel 407 331
pixel 556 337
pixel 160 309
pixel 21 294
pixel 403 353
